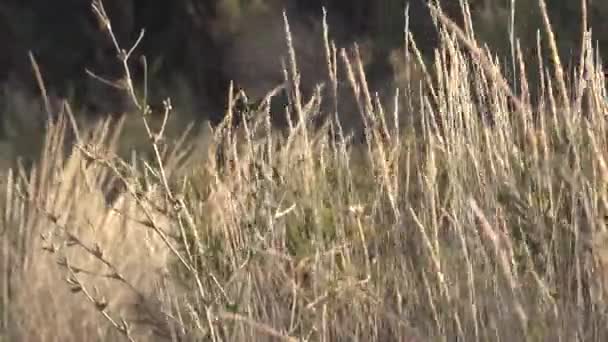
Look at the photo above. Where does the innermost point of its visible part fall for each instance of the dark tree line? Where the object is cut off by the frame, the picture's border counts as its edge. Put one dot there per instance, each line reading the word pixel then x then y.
pixel 190 37
pixel 198 39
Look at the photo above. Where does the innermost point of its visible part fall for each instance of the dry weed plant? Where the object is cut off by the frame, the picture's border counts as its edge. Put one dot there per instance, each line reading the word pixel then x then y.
pixel 450 230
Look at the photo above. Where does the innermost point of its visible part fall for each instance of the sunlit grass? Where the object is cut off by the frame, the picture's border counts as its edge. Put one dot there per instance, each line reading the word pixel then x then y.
pixel 443 228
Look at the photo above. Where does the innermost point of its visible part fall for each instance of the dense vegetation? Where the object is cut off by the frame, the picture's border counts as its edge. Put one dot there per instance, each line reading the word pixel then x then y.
pixel 457 194
pixel 199 45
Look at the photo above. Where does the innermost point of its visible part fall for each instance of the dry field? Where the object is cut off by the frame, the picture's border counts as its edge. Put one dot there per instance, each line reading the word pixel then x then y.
pixel 430 224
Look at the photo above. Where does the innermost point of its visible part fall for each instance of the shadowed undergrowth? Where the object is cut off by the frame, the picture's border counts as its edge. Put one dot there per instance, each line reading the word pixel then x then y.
pixel 433 221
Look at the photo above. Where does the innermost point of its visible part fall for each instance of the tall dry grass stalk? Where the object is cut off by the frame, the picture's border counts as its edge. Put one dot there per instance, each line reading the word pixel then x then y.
pixel 453 226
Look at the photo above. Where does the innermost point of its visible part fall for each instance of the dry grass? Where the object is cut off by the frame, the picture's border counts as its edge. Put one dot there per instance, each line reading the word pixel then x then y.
pixel 451 229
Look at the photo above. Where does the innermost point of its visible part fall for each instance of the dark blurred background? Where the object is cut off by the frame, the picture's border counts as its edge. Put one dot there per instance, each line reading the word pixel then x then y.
pixel 198 46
